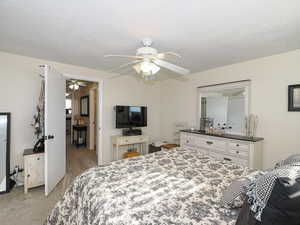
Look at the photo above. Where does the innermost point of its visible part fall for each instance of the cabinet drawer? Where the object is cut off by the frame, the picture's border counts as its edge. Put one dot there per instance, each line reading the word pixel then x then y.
pixel 216 155
pixel 239 153
pixel 212 143
pixel 203 151
pixel 131 140
pixel 236 160
pixel 229 158
pixel 240 161
pixel 238 146
pixel 187 140
pixel 141 139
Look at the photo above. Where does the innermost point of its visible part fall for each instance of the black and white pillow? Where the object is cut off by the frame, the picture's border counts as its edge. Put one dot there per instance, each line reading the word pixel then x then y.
pixel 235 194
pixel 293 159
pixel 282 205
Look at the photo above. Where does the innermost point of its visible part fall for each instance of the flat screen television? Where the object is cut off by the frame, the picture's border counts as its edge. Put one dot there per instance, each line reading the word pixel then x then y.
pixel 131 116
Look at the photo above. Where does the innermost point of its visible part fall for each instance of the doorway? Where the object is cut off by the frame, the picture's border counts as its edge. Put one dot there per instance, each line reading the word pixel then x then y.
pixel 81 132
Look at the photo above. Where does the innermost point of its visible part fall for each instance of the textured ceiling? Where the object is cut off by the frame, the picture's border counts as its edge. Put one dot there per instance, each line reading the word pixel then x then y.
pixel 207 33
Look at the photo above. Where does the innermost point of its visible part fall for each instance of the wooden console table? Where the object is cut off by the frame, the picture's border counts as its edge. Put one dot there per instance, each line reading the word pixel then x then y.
pixel 81 132
pixel 120 140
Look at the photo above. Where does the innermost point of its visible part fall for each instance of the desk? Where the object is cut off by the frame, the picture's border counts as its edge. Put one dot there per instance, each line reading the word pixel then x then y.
pixel 80 138
pixel 120 140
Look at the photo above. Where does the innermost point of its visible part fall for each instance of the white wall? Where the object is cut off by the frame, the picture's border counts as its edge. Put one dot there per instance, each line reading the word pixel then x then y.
pixel 125 91
pixel 269 76
pixel 19 91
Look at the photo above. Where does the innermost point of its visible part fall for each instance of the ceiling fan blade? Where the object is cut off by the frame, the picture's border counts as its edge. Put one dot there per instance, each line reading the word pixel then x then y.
pixel 164 54
pixel 83 84
pixel 125 56
pixel 172 67
pixel 121 74
pixel 137 68
pixel 124 65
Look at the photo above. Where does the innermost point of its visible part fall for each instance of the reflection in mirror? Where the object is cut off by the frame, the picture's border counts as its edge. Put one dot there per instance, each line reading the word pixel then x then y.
pixel 224 109
pixel 4 152
pixel 3 134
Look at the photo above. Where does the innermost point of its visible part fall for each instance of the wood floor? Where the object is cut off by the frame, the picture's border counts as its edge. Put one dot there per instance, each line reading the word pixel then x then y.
pixel 16 208
pixel 78 160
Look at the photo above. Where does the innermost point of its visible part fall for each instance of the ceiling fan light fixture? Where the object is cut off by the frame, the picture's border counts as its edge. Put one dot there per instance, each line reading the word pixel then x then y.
pixel 149 77
pixel 74 86
pixel 149 68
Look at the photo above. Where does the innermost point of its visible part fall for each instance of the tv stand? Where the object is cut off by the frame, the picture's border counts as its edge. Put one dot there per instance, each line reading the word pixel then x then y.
pixel 131 132
pixel 119 141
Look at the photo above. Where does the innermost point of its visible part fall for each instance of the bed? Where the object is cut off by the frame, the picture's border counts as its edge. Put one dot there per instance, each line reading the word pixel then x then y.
pixel 178 187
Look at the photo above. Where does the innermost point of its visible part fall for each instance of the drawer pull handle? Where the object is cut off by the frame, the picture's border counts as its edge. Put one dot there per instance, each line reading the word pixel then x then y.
pixel 237 145
pixel 209 142
pixel 38 158
pixel 237 152
pixel 227 159
pixel 187 142
pixel 28 175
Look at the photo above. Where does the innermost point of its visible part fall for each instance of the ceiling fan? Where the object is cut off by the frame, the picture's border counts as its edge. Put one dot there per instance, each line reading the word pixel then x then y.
pixel 147 61
pixel 75 84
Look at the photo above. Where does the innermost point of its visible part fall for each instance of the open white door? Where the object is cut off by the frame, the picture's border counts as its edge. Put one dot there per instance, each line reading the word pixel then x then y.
pixel 55 128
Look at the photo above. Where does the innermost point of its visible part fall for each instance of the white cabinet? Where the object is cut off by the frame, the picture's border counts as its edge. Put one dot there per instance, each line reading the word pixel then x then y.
pixel 34 172
pixel 246 153
pixel 120 140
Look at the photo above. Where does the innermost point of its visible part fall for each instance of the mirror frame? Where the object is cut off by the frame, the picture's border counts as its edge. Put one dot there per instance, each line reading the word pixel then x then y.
pixel 85 98
pixel 291 106
pixel 223 86
pixel 8 186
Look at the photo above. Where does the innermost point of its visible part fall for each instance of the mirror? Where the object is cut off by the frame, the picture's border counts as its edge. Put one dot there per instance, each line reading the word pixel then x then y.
pixel 294 97
pixel 84 106
pixel 224 108
pixel 4 152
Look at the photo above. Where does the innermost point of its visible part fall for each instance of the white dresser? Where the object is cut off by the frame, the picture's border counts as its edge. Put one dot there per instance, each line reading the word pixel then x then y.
pixel 245 152
pixel 34 172
pixel 120 140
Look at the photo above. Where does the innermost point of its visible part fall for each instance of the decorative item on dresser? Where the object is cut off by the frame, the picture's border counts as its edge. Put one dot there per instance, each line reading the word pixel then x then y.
pixel 119 140
pixel 34 169
pixel 239 149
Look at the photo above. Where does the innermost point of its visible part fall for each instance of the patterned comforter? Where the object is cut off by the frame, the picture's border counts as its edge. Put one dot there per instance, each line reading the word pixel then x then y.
pixel 176 187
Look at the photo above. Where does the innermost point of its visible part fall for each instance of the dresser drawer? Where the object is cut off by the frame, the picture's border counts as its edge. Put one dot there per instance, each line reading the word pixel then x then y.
pixel 239 153
pixel 203 151
pixel 216 155
pixel 240 161
pixel 238 146
pixel 229 158
pixel 188 140
pixel 211 143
